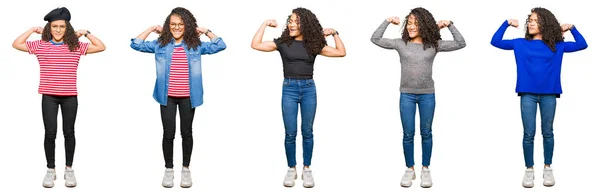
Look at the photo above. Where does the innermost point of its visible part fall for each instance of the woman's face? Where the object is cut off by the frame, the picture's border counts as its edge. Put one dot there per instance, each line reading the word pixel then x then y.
pixel 177 27
pixel 412 26
pixel 532 24
pixel 58 29
pixel 293 25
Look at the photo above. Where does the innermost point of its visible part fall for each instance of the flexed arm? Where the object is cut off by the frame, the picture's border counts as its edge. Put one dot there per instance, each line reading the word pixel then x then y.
pixel 257 42
pixel 215 45
pixel 497 40
pixel 339 50
pixel 579 44
pixel 457 43
pixel 20 43
pixel 377 37
pixel 145 46
pixel 95 46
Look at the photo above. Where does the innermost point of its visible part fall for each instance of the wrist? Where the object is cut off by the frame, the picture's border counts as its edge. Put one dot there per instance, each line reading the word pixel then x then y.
pixel 207 31
pixel 87 32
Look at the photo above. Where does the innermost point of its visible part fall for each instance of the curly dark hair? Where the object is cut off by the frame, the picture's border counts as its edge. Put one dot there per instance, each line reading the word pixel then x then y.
pixel 548 26
pixel 190 35
pixel 310 29
pixel 70 38
pixel 428 28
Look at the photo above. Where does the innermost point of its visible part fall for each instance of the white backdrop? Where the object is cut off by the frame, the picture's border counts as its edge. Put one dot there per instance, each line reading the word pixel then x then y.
pixel 238 132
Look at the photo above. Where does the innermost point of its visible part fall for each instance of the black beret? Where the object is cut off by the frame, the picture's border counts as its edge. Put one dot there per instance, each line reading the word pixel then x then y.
pixel 61 13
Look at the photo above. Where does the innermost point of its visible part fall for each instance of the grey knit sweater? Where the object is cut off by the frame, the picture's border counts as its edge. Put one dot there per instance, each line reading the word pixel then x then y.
pixel 416 63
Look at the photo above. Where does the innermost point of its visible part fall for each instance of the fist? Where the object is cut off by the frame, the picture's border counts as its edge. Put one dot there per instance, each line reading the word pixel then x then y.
pixel 270 23
pixel 156 29
pixel 443 23
pixel 328 31
pixel 201 30
pixel 394 20
pixel 566 27
pixel 80 33
pixel 37 29
pixel 513 22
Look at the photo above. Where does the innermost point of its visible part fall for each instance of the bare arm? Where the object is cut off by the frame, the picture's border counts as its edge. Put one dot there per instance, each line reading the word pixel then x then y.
pixel 258 44
pixel 339 50
pixel 95 46
pixel 20 44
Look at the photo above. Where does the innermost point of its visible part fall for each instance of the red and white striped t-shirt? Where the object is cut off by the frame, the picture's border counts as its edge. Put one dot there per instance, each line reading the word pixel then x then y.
pixel 179 83
pixel 58 66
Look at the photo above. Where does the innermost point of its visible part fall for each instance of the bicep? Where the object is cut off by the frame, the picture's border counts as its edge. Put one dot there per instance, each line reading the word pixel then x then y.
pixel 385 43
pixel 331 52
pixel 265 46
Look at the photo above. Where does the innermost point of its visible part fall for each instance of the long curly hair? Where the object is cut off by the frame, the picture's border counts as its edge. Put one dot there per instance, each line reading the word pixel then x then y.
pixel 190 35
pixel 310 29
pixel 69 38
pixel 428 28
pixel 548 26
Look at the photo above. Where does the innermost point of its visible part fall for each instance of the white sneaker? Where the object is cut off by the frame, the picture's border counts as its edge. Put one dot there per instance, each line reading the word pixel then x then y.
pixel 49 178
pixel 309 180
pixel 426 178
pixel 167 181
pixel 528 178
pixel 70 180
pixel 186 178
pixel 409 175
pixel 290 176
pixel 548 177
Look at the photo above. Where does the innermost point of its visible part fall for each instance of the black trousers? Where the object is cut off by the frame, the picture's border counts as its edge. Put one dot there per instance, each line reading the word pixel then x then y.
pixel 186 117
pixel 68 106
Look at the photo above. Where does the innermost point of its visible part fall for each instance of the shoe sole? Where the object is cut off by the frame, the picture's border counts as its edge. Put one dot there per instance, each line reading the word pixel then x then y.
pixel 185 186
pixel 50 186
pixel 549 185
pixel 293 183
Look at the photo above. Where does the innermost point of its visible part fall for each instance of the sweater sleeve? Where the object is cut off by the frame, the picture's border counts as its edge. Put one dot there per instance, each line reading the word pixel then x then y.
pixel 497 40
pixel 579 43
pixel 377 37
pixel 456 44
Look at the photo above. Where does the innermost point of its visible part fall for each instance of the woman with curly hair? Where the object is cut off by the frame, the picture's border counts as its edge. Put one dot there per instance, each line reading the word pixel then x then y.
pixel 299 44
pixel 539 60
pixel 178 52
pixel 58 53
pixel 420 42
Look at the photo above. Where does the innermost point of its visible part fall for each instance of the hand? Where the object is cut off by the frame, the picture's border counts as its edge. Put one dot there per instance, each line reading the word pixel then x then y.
pixel 156 29
pixel 270 23
pixel 80 33
pixel 328 31
pixel 443 23
pixel 513 22
pixel 394 20
pixel 566 27
pixel 37 29
pixel 201 30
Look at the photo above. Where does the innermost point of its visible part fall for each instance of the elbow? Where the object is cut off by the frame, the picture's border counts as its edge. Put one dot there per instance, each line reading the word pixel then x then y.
pixel 343 54
pixel 101 48
pixel 462 44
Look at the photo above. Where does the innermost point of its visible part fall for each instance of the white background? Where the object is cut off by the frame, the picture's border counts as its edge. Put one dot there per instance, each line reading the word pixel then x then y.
pixel 238 132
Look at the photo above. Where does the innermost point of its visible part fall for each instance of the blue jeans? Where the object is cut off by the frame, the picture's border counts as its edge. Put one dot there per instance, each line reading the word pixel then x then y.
pixel 294 92
pixel 529 103
pixel 408 108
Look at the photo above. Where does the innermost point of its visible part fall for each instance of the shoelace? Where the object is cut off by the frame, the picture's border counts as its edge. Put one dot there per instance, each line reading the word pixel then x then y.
pixel 290 174
pixel 186 174
pixel 548 174
pixel 308 174
pixel 407 175
pixel 425 174
pixel 70 174
pixel 529 175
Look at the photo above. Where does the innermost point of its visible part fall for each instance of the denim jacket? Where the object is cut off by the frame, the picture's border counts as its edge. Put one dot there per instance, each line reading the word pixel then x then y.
pixel 163 56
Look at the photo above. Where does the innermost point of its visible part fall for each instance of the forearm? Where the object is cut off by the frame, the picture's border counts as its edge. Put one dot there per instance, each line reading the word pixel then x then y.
pixel 19 43
pixel 145 34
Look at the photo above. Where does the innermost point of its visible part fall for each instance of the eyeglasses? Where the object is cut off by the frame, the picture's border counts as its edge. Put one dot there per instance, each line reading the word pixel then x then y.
pixel 180 25
pixel 290 21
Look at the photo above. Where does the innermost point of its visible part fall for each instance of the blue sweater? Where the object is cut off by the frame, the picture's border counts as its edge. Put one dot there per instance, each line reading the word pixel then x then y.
pixel 538 68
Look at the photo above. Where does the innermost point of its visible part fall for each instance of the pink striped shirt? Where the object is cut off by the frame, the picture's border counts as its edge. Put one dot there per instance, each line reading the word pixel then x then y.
pixel 58 66
pixel 179 82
